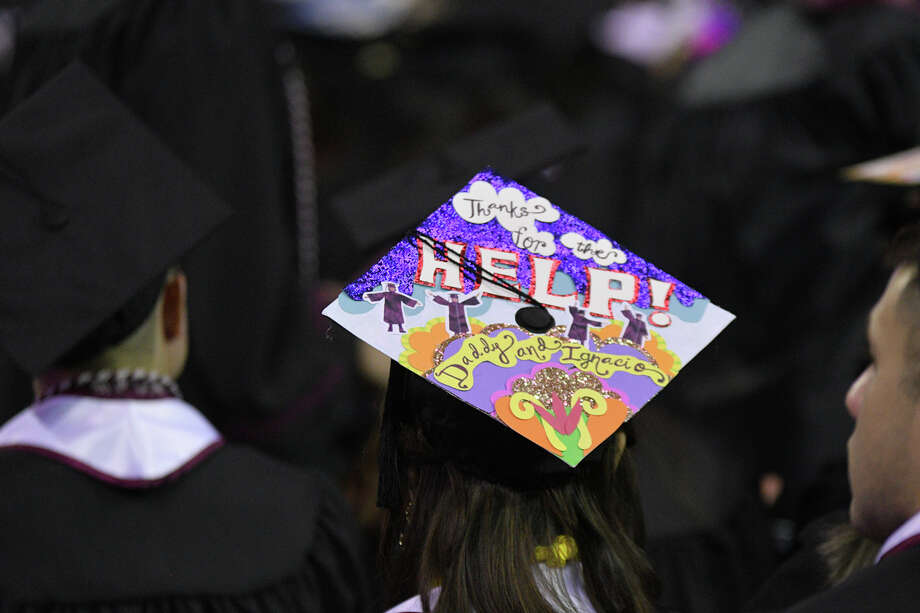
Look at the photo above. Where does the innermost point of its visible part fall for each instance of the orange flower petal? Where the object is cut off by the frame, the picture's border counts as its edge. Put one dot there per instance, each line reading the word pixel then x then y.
pixel 531 428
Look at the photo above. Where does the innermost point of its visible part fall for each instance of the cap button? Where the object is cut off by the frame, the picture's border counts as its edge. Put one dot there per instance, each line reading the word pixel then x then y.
pixel 534 319
pixel 54 218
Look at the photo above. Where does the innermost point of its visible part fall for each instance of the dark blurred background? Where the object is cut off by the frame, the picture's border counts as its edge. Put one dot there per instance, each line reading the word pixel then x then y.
pixel 706 136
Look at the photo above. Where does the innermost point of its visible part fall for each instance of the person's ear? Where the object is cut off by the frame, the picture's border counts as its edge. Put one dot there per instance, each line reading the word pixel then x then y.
pixel 174 292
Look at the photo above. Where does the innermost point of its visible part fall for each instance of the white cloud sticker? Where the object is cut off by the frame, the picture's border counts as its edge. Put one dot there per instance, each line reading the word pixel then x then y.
pixel 603 252
pixel 529 238
pixel 481 204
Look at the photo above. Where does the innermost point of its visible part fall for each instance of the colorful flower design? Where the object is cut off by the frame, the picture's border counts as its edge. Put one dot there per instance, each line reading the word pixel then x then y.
pixel 567 413
pixel 421 343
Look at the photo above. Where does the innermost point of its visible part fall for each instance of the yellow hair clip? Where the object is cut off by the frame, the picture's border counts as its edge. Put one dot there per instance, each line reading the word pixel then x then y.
pixel 559 553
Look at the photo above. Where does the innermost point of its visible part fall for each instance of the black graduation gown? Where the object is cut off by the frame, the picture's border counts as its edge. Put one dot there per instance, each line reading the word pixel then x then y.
pixel 890 586
pixel 238 532
pixel 802 575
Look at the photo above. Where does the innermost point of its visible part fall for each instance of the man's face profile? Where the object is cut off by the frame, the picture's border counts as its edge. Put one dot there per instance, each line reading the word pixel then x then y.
pixel 883 400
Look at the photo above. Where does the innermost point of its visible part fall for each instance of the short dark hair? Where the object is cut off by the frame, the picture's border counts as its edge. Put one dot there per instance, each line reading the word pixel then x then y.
pixel 905 251
pixel 116 328
pixel 905 247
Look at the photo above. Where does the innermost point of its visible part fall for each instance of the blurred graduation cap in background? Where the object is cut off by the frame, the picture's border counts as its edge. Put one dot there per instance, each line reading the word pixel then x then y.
pixel 787 47
pixel 902 168
pixel 95 210
pixel 894 181
pixel 777 50
pixel 382 209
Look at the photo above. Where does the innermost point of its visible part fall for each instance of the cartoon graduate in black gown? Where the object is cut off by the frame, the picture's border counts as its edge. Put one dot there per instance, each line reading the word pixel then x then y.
pixel 578 331
pixel 393 302
pixel 635 331
pixel 456 310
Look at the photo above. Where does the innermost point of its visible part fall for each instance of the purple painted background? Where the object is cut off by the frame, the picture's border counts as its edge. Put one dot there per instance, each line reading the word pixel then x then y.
pixel 401 263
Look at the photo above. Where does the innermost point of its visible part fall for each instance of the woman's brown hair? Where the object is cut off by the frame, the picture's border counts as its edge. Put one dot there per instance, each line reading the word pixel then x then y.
pixel 475 538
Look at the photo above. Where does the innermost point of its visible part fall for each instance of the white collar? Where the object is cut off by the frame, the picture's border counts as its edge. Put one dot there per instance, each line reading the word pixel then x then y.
pixel 414 604
pixel 133 443
pixel 565 580
pixel 908 529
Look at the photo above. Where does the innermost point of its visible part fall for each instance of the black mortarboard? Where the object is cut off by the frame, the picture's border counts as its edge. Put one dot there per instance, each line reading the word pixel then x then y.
pixel 95 208
pixel 382 209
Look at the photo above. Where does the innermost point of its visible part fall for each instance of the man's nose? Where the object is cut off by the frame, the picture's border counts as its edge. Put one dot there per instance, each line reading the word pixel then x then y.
pixel 854 397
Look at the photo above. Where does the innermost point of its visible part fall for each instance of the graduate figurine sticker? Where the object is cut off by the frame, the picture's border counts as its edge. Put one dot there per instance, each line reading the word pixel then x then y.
pixel 530 315
pixel 393 303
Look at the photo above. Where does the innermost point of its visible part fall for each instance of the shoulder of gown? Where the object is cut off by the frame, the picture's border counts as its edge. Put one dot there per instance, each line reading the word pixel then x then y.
pixel 240 532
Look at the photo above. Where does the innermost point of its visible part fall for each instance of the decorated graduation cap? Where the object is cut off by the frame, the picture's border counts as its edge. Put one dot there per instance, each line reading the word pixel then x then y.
pixel 902 169
pixel 505 313
pixel 95 210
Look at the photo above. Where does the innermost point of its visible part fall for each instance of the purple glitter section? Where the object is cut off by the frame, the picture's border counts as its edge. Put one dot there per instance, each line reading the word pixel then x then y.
pixel 401 263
